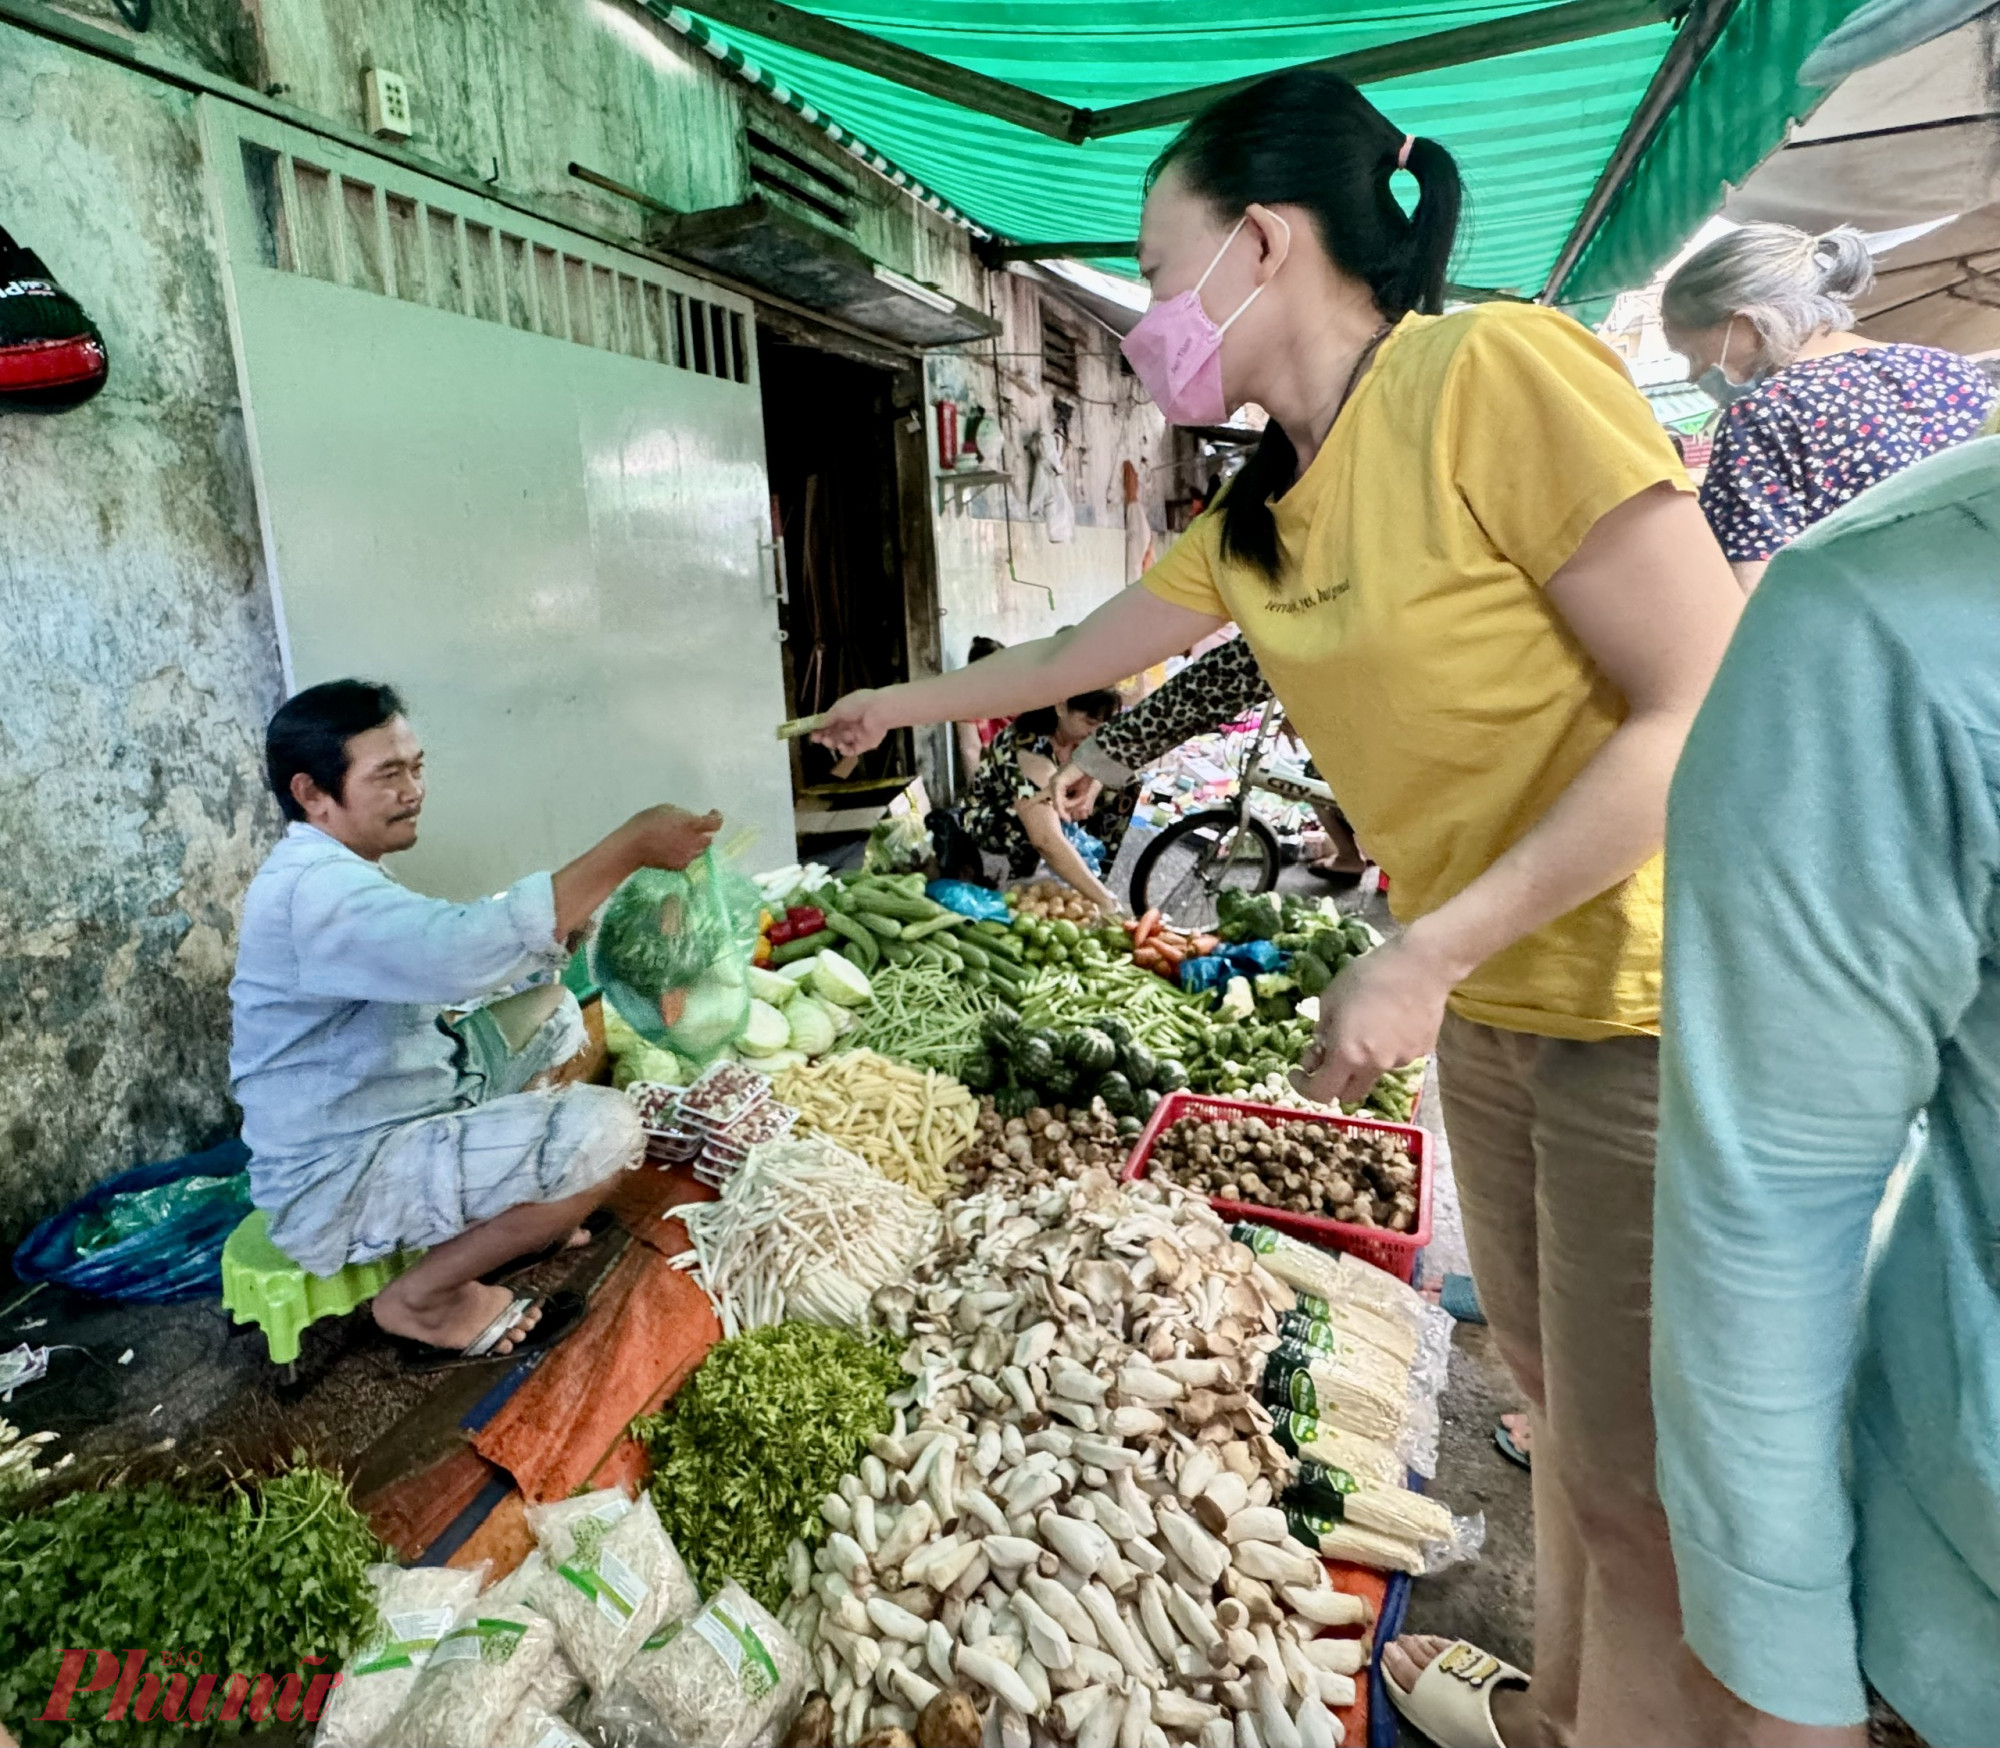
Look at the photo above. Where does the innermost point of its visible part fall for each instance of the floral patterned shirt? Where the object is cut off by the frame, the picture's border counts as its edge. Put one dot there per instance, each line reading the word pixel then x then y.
pixel 1823 430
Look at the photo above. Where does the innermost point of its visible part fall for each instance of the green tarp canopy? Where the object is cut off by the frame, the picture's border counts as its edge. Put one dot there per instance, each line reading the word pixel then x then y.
pixel 1588 159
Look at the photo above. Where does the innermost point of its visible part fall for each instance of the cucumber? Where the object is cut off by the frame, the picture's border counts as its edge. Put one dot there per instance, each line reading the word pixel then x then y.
pixel 898 954
pixel 899 905
pixel 885 926
pixel 974 955
pixel 803 947
pixel 859 943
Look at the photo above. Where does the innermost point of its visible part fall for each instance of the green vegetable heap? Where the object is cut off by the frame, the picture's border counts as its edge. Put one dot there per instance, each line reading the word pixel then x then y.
pixel 248 1576
pixel 752 1443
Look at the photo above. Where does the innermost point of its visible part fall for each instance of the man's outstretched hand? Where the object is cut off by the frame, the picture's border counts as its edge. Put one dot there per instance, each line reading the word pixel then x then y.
pixel 670 837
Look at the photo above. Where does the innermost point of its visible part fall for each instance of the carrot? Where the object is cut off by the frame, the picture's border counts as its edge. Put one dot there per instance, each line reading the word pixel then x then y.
pixel 1147 924
pixel 1172 955
pixel 1204 945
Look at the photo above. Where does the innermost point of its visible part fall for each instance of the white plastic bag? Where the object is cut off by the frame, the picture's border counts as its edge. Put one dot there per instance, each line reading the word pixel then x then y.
pixel 475 1680
pixel 414 1609
pixel 728 1678
pixel 611 1576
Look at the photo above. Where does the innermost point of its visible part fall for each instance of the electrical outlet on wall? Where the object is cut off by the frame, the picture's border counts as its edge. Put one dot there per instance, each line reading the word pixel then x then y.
pixel 388 99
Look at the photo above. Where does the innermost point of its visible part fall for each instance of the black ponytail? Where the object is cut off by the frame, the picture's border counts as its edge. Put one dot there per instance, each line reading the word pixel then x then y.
pixel 1308 138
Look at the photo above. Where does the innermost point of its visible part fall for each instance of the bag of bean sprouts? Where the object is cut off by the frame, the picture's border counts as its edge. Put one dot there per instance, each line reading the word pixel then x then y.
pixel 559 1683
pixel 414 1609
pixel 611 1576
pixel 475 1680
pixel 731 1677
pixel 535 1727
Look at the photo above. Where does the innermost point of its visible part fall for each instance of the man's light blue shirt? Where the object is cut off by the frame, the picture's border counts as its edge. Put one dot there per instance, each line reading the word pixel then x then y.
pixel 342 974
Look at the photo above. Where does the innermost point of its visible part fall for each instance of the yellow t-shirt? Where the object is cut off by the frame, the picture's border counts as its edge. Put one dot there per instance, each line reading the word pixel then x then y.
pixel 1415 652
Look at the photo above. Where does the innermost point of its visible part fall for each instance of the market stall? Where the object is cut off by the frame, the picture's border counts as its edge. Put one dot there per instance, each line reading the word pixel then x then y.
pixel 997 1359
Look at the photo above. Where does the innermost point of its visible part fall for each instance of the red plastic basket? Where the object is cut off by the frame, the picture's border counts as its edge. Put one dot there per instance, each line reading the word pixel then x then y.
pixel 1395 1252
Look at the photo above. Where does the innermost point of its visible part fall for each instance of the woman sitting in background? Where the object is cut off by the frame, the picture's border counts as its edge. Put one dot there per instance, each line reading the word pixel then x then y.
pixel 1013 813
pixel 975 737
pixel 1814 414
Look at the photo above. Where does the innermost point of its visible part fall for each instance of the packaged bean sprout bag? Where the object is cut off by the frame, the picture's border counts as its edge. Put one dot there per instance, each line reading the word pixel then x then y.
pixel 611 1576
pixel 673 954
pixel 475 1680
pixel 414 1609
pixel 731 1677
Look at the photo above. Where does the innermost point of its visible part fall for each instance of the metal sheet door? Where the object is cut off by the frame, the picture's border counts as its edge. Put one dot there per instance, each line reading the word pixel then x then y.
pixel 518 474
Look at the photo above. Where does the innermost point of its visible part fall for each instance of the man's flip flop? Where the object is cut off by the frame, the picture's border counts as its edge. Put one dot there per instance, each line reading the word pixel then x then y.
pixel 597 1225
pixel 1511 1449
pixel 561 1312
pixel 1452 1702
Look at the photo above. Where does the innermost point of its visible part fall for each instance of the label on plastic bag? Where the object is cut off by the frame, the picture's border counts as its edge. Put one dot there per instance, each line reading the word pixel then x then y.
pixel 619 1589
pixel 554 1733
pixel 413 1634
pixel 598 1573
pixel 481 1641
pixel 737 1644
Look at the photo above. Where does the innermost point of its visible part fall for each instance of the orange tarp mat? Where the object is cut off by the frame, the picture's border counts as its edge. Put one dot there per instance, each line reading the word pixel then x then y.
pixel 412 1513
pixel 648 1327
pixel 1374 1586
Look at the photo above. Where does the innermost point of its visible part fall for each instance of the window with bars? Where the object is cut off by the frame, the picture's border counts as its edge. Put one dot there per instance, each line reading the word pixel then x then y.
pixel 1058 356
pixel 329 225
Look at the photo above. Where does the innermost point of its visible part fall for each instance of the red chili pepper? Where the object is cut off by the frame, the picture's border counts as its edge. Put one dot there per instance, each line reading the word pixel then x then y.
pixel 781 932
pixel 806 914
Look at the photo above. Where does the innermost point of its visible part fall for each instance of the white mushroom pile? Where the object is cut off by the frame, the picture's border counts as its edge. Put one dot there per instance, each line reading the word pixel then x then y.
pixel 1075 1514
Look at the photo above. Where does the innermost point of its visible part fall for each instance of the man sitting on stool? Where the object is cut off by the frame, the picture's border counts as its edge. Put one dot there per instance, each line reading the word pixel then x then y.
pixel 373 1125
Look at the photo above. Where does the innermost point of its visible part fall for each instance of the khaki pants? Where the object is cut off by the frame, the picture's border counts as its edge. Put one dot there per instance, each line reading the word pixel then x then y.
pixel 1552 1146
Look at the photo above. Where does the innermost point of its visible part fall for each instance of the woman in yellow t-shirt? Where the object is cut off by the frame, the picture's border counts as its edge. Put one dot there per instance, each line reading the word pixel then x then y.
pixel 1473 570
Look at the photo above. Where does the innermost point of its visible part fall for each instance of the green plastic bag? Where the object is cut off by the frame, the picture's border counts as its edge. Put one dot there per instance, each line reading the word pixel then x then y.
pixel 673 955
pixel 140 1211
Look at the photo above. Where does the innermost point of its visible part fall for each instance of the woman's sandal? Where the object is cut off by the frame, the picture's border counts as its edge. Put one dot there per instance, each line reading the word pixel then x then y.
pixel 1452 1702
pixel 1510 1447
pixel 561 1312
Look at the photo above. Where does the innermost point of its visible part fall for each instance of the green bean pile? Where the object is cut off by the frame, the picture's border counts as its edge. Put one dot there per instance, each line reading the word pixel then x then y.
pixel 1161 1018
pixel 923 1015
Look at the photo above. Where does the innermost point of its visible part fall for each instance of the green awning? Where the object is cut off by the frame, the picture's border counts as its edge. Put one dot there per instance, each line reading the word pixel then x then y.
pixel 1535 130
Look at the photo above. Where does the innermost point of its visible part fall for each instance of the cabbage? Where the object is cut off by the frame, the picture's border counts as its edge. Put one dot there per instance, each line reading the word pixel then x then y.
pixel 650 1063
pixel 798 971
pixel 764 1032
pixel 780 1060
pixel 769 986
pixel 713 1016
pixel 811 1026
pixel 837 980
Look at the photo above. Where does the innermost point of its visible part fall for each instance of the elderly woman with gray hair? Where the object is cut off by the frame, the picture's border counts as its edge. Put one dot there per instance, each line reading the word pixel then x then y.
pixel 1813 413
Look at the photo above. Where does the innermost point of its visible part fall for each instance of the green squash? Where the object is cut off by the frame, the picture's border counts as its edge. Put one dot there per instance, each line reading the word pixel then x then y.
pixel 1034 1059
pixel 1015 1101
pixel 1169 1075
pixel 1139 1063
pixel 1061 1081
pixel 1000 1028
pixel 979 1072
pixel 1116 1092
pixel 1149 1101
pixel 1115 1029
pixel 1091 1050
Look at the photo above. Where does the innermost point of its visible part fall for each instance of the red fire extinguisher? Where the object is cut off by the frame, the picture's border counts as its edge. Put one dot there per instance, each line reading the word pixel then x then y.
pixel 947 435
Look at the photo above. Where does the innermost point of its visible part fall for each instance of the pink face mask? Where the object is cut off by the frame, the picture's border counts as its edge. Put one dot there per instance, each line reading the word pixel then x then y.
pixel 1175 349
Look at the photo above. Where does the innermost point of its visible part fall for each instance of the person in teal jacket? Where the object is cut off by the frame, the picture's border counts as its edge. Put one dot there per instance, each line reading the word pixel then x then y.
pixel 1826 1333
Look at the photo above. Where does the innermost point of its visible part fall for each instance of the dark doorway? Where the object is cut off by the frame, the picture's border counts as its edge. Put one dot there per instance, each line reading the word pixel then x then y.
pixel 830 446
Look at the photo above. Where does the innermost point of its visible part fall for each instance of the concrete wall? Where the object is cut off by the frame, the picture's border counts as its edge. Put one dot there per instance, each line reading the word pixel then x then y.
pixel 136 637
pixel 134 620
pixel 1111 423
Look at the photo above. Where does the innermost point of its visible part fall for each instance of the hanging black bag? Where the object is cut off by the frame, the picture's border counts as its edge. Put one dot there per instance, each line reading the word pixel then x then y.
pixel 52 357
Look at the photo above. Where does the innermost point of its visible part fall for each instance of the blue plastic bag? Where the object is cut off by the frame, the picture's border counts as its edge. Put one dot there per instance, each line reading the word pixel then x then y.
pixel 981 903
pixel 1089 848
pixel 178 1259
pixel 1238 959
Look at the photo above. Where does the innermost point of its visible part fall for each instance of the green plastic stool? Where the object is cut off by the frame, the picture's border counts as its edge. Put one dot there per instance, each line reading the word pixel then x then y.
pixel 262 1285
